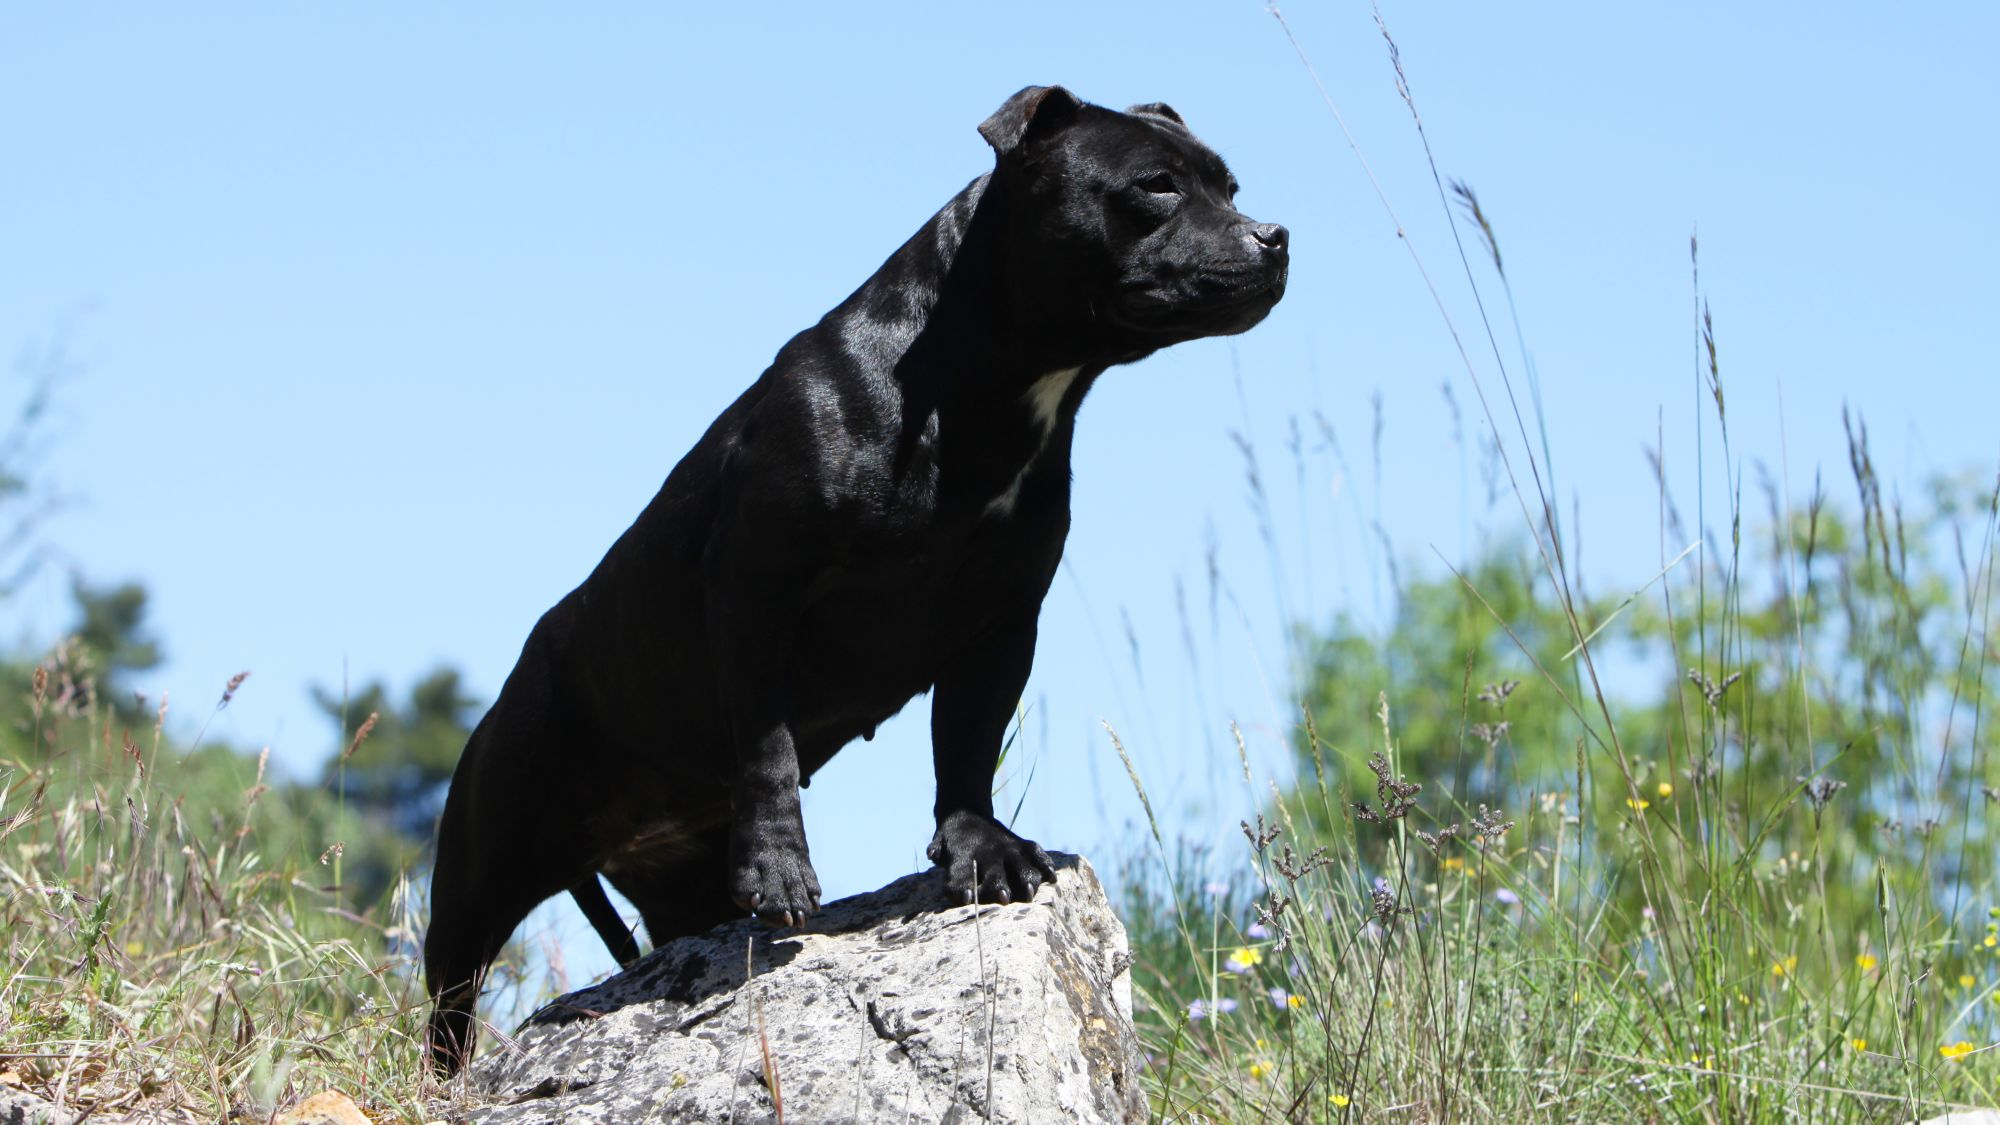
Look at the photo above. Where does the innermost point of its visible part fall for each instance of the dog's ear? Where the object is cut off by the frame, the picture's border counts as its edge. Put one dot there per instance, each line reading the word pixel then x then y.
pixel 1158 109
pixel 1036 109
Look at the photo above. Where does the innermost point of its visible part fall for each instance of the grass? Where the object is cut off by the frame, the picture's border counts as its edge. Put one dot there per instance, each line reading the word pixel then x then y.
pixel 172 939
pixel 1760 889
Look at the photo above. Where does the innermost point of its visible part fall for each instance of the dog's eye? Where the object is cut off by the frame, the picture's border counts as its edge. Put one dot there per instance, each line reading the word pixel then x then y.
pixel 1233 187
pixel 1159 183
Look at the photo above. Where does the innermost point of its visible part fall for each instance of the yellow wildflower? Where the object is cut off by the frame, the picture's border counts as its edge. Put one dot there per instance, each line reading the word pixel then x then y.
pixel 1639 804
pixel 1780 968
pixel 1245 957
pixel 1665 790
pixel 1955 1051
pixel 1300 1002
pixel 1259 1070
pixel 1865 961
pixel 1454 863
pixel 1858 1043
pixel 1339 1100
pixel 1967 980
pixel 1992 941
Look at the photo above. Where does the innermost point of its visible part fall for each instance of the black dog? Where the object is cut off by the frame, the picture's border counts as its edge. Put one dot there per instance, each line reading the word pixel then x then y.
pixel 879 515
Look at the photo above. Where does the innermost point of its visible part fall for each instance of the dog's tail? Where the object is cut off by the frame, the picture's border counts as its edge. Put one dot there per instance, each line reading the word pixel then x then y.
pixel 596 906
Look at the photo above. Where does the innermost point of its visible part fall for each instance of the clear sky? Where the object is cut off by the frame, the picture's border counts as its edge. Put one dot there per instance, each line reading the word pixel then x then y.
pixel 387 319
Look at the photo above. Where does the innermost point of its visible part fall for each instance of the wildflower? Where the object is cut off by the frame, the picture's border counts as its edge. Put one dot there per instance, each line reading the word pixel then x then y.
pixel 1198 1010
pixel 1506 897
pixel 1866 962
pixel 1638 804
pixel 1243 959
pixel 1299 1001
pixel 1780 968
pixel 1390 789
pixel 1967 980
pixel 1257 931
pixel 1665 790
pixel 1215 889
pixel 1224 1006
pixel 1955 1051
pixel 1454 863
pixel 1259 1070
pixel 1339 1101
pixel 1278 997
pixel 1858 1043
pixel 1992 941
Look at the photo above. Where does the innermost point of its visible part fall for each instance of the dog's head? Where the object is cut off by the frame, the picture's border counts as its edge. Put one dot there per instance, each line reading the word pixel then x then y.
pixel 1132 219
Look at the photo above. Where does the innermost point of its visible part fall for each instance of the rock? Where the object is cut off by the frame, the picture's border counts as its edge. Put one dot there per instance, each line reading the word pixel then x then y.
pixel 888 1006
pixel 18 1107
pixel 328 1107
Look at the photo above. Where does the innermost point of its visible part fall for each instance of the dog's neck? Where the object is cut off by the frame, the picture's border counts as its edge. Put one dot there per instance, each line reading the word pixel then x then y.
pixel 959 294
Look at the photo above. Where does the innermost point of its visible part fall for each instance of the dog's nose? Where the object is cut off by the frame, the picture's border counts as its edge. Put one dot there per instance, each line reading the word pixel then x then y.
pixel 1270 236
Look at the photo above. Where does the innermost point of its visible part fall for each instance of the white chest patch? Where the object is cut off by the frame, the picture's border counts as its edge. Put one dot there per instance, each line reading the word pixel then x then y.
pixel 1044 400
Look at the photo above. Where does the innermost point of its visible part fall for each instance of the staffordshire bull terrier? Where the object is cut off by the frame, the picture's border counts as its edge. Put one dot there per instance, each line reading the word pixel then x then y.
pixel 878 516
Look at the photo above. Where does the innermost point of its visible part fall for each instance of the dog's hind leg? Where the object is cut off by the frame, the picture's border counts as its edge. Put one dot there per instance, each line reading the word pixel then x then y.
pixel 503 846
pixel 682 895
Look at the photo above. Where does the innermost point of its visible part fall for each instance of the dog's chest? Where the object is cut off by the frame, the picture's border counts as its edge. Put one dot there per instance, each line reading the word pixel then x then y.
pixel 968 546
pixel 1043 403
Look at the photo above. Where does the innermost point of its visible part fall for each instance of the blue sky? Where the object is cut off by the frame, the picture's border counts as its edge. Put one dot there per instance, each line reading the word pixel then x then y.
pixel 387 320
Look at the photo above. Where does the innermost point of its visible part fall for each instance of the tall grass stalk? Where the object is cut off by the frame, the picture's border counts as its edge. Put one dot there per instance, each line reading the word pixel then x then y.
pixel 1748 894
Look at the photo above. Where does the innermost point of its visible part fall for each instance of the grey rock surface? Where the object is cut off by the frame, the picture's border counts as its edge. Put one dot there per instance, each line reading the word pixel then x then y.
pixel 891 1006
pixel 18 1107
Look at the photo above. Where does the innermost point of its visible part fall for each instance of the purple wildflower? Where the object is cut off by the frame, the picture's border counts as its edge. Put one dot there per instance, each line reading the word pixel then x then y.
pixel 1506 897
pixel 1257 931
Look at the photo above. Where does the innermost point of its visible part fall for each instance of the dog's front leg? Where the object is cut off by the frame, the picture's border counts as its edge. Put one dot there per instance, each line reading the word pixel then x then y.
pixel 750 632
pixel 973 700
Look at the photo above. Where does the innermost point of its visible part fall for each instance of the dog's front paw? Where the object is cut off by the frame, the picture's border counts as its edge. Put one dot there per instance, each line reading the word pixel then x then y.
pixel 774 881
pixel 983 859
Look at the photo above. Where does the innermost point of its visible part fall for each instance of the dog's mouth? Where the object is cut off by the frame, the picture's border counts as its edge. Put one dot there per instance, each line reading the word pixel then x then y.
pixel 1205 306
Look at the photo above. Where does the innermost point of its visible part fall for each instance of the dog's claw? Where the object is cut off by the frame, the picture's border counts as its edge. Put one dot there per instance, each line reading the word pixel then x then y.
pixel 776 884
pixel 984 861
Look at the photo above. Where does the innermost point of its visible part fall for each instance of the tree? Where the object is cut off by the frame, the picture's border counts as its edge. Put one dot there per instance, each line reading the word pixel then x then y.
pixel 111 627
pixel 25 500
pixel 396 760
